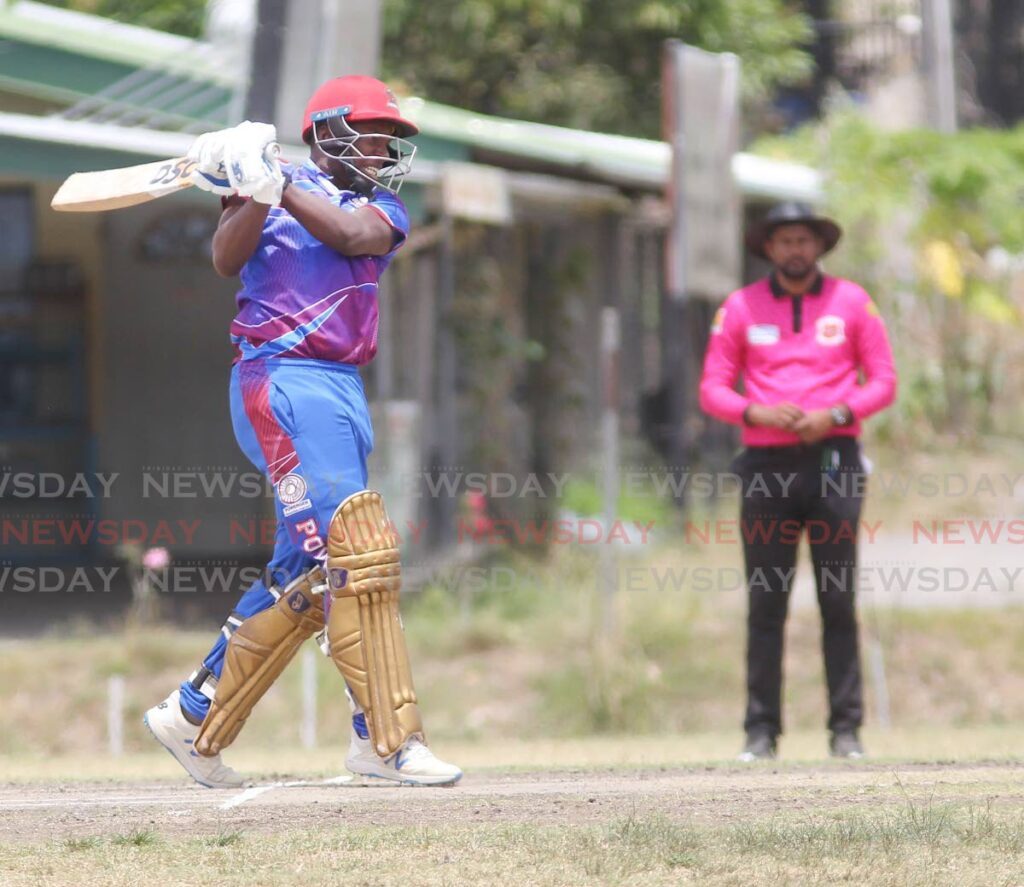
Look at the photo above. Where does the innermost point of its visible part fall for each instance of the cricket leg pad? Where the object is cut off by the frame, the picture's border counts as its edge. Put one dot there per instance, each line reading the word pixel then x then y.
pixel 364 629
pixel 258 651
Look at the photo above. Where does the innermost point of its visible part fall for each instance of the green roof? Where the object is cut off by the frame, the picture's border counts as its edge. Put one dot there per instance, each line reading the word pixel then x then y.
pixel 98 66
pixel 92 36
pixel 643 163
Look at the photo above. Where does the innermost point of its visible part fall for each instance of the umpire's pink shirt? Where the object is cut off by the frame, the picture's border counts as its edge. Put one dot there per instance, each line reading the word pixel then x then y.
pixel 816 368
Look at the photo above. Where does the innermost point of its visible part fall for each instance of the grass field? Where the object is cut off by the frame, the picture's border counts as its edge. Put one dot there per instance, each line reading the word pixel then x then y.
pixel 521 691
pixel 650 811
pixel 908 845
pixel 957 745
pixel 521 665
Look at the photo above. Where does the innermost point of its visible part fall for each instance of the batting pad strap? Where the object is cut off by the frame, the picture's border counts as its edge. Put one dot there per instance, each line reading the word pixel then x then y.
pixel 204 681
pixel 256 654
pixel 364 630
pixel 231 625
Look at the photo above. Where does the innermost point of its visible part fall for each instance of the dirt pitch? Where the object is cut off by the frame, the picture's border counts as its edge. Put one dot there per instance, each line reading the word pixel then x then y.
pixel 707 795
pixel 642 811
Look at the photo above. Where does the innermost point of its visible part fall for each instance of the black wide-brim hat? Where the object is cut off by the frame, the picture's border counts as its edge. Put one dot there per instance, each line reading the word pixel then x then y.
pixel 791 213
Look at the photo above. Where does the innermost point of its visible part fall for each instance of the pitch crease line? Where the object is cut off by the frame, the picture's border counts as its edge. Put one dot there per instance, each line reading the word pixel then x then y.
pixel 249 794
pixel 258 790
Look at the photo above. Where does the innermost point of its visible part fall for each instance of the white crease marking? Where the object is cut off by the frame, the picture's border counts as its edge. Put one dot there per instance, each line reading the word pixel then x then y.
pixel 249 794
pixel 258 790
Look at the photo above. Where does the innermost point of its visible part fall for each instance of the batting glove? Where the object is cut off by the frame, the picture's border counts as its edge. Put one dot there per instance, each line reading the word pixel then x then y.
pixel 250 160
pixel 207 153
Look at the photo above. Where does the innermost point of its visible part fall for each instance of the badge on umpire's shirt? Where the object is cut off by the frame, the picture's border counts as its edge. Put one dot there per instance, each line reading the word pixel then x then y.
pixel 762 334
pixel 830 330
pixel 718 324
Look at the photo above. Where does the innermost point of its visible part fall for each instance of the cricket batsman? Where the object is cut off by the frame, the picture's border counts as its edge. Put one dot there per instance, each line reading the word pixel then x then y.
pixel 309 244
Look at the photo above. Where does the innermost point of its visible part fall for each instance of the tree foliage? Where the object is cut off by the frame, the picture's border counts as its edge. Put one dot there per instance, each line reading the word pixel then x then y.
pixel 183 17
pixel 591 64
pixel 935 231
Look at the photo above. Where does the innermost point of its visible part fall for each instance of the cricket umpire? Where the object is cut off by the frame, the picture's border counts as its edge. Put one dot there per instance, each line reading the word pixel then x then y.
pixel 815 360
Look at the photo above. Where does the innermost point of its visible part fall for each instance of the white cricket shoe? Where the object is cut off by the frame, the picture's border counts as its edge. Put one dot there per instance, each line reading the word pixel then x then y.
pixel 175 733
pixel 412 764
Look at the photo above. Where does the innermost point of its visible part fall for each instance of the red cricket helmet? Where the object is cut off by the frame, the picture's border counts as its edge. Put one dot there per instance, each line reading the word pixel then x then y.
pixel 356 97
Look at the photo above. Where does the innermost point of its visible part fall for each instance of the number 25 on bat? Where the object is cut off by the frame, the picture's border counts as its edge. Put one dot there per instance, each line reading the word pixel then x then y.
pixel 171 171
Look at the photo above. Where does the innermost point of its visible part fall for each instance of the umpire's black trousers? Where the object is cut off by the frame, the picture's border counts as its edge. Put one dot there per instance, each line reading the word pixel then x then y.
pixel 788 492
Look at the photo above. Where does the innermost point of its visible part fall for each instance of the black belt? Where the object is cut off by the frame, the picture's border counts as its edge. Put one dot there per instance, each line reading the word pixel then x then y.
pixel 793 449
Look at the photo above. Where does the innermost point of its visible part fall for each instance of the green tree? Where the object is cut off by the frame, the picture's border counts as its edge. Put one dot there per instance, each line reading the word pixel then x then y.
pixel 183 17
pixel 592 64
pixel 583 63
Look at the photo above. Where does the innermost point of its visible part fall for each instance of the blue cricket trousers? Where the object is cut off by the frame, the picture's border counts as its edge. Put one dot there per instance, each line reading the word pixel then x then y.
pixel 306 425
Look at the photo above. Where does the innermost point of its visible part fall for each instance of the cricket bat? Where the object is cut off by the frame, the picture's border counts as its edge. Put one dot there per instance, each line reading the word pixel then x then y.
pixel 117 188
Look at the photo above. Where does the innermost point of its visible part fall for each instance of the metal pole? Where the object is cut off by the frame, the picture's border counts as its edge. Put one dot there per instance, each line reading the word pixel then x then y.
pixel 674 313
pixel 940 74
pixel 876 656
pixel 610 345
pixel 447 424
pixel 115 715
pixel 674 132
pixel 265 67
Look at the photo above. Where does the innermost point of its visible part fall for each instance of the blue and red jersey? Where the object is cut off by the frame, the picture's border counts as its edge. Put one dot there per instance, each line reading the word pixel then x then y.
pixel 300 297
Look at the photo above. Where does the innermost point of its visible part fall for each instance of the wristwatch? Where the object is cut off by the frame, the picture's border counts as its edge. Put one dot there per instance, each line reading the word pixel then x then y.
pixel 840 416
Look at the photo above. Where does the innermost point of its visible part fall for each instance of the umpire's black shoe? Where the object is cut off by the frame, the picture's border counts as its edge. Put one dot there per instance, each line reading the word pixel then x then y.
pixel 846 745
pixel 759 747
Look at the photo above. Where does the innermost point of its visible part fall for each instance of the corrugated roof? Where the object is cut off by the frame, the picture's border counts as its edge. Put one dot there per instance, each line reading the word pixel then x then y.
pixel 624 160
pixel 104 38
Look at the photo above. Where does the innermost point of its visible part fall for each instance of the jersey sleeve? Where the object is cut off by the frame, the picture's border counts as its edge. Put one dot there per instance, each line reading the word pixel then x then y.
pixel 723 364
pixel 874 356
pixel 393 211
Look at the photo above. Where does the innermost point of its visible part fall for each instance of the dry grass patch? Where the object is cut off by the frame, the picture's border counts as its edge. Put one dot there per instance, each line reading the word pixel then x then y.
pixel 907 845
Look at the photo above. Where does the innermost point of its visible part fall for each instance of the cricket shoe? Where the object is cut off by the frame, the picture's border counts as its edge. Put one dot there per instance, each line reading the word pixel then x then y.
pixel 412 764
pixel 758 747
pixel 174 732
pixel 846 744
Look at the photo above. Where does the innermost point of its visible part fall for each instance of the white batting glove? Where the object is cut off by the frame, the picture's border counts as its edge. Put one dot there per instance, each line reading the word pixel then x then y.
pixel 207 152
pixel 257 176
pixel 241 160
pixel 250 160
pixel 269 191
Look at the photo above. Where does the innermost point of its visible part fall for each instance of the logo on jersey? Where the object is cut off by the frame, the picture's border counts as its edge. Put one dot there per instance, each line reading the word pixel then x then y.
pixel 763 334
pixel 830 330
pixel 289 510
pixel 291 489
pixel 718 323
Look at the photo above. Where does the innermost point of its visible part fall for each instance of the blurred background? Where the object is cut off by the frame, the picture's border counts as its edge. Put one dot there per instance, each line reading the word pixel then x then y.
pixel 578 201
